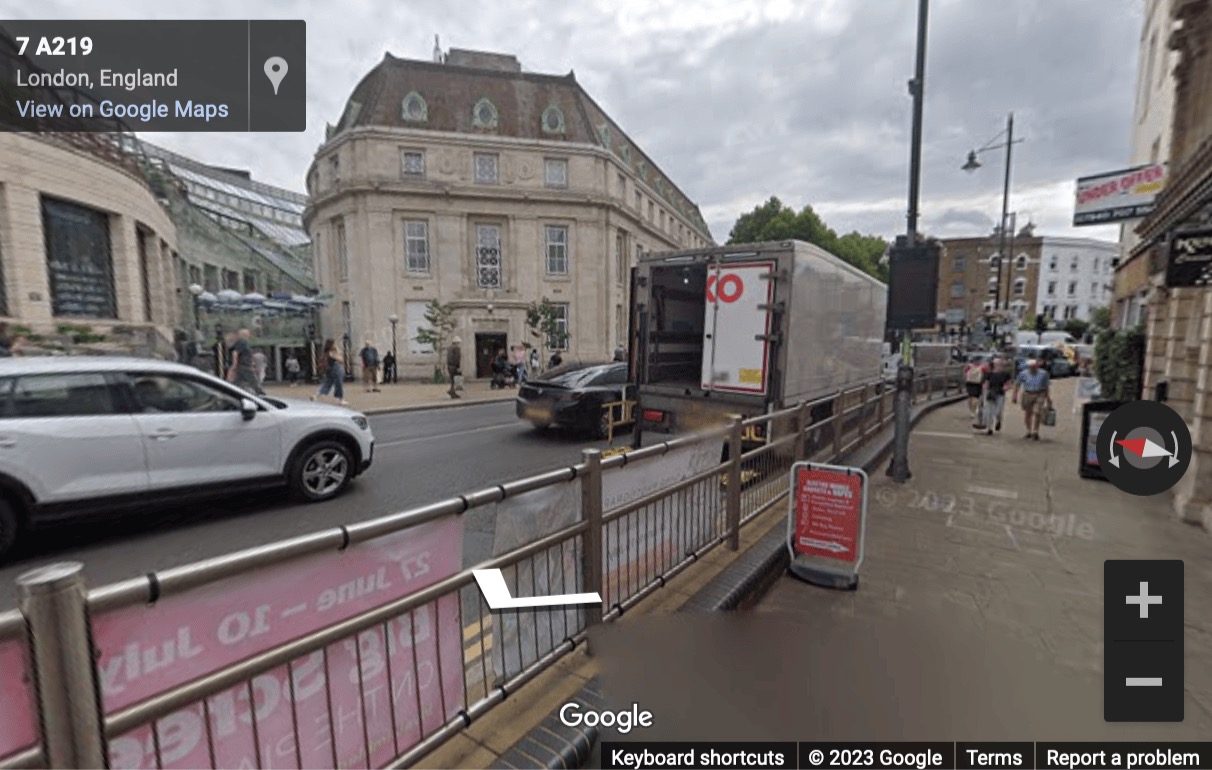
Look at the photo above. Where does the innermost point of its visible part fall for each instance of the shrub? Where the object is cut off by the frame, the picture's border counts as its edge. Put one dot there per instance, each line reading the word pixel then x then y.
pixel 1118 357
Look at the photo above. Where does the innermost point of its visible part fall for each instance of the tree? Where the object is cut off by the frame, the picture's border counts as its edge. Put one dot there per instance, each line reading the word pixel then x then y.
pixel 1100 319
pixel 543 322
pixel 441 325
pixel 774 221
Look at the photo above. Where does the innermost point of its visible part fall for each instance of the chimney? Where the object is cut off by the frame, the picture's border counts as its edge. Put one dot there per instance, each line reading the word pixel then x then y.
pixel 482 60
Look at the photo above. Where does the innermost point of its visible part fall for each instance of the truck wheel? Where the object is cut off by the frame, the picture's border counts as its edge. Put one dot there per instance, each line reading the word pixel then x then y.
pixel 10 527
pixel 320 472
pixel 602 429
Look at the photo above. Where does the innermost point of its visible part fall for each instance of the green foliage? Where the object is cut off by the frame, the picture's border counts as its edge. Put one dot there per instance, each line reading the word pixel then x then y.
pixel 774 221
pixel 73 329
pixel 1076 327
pixel 1100 319
pixel 441 326
pixel 543 322
pixel 1117 363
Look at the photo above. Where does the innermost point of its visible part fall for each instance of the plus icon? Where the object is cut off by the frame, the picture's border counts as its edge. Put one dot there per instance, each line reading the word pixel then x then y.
pixel 1144 600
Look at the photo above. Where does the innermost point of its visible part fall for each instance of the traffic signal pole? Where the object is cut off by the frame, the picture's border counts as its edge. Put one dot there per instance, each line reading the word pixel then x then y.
pixel 899 469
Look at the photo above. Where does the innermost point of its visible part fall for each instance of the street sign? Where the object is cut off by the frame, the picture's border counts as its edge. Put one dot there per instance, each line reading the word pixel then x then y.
pixel 913 286
pixel 1190 262
pixel 827 523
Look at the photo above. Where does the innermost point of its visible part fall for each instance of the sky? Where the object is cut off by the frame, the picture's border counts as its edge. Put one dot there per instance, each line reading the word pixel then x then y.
pixel 737 101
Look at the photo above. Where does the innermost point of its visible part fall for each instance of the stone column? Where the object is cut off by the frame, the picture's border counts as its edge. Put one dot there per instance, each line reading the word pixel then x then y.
pixel 1193 495
pixel 24 254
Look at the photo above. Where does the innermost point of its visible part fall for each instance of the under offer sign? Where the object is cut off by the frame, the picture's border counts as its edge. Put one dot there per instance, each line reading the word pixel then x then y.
pixel 827 522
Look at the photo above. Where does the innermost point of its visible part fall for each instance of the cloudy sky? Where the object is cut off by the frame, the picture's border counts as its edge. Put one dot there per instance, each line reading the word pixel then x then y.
pixel 738 101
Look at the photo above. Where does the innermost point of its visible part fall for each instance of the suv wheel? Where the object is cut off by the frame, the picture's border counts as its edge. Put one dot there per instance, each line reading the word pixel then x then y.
pixel 10 526
pixel 321 471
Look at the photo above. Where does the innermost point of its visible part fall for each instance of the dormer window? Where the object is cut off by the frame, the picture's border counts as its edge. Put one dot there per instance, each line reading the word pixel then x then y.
pixel 626 153
pixel 604 135
pixel 484 115
pixel 414 109
pixel 553 120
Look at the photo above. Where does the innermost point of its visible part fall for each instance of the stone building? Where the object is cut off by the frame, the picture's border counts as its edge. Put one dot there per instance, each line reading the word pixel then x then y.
pixel 1175 243
pixel 1151 125
pixel 468 181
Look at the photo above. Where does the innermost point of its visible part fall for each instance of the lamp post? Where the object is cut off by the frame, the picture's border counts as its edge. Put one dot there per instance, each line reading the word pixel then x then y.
pixel 898 468
pixel 196 291
pixel 393 319
pixel 972 165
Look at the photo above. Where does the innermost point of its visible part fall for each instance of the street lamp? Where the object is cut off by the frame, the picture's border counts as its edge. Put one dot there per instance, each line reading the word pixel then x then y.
pixel 196 290
pixel 972 165
pixel 393 319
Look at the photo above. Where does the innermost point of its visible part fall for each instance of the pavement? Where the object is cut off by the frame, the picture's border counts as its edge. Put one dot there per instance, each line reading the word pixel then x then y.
pixel 400 396
pixel 979 617
pixel 421 457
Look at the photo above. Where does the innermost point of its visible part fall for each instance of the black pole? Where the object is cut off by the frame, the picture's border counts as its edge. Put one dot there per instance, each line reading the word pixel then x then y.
pixel 903 404
pixel 917 89
pixel 1005 212
pixel 394 357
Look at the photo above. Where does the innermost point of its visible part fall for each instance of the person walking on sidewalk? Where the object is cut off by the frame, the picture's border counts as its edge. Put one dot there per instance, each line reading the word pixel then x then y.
pixel 454 365
pixel 261 365
pixel 389 367
pixel 242 372
pixel 997 382
pixel 974 380
pixel 1034 383
pixel 292 370
pixel 370 367
pixel 332 366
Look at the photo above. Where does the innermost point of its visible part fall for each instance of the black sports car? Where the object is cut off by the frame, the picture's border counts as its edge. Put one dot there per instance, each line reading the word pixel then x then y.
pixel 572 396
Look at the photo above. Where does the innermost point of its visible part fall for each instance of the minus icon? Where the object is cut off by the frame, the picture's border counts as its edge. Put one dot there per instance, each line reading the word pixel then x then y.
pixel 1144 681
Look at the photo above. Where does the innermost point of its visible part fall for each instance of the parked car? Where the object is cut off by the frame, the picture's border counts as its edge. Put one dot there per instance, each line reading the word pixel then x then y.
pixel 572 396
pixel 89 436
pixel 1050 358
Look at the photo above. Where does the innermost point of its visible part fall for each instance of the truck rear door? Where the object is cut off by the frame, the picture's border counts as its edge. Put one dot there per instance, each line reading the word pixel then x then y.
pixel 736 328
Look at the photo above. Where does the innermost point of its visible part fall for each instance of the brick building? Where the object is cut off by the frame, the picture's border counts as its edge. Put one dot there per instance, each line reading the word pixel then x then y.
pixel 969 291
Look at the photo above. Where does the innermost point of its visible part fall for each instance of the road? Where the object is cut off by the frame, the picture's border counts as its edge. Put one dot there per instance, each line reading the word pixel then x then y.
pixel 420 457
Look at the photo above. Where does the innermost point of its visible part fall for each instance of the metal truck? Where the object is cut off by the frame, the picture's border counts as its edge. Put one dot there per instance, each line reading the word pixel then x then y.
pixel 746 330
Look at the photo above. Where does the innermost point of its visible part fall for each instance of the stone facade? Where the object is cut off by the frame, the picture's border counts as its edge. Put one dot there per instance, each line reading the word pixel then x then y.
pixel 1179 326
pixel 142 238
pixel 1076 276
pixel 434 165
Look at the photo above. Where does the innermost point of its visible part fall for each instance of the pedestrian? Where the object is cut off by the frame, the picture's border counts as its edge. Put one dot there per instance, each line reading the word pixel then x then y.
pixel 534 360
pixel 974 380
pixel 454 366
pixel 620 354
pixel 1034 383
pixel 997 382
pixel 261 367
pixel 389 367
pixel 6 341
pixel 332 367
pixel 370 367
pixel 556 360
pixel 292 370
pixel 519 362
pixel 241 370
pixel 500 370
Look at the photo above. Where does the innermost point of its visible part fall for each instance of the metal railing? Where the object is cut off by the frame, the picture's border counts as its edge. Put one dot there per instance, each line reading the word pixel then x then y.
pixel 618 414
pixel 390 681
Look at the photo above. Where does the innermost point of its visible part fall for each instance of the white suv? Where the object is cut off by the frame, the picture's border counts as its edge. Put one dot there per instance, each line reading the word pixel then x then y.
pixel 82 436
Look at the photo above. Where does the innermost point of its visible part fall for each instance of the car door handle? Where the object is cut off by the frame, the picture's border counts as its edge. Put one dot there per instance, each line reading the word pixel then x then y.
pixel 165 433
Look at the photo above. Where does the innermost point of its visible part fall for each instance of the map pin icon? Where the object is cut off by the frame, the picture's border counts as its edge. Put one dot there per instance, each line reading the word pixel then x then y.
pixel 275 70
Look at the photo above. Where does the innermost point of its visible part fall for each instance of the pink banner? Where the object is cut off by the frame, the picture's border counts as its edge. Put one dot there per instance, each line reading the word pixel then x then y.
pixel 317 711
pixel 18 705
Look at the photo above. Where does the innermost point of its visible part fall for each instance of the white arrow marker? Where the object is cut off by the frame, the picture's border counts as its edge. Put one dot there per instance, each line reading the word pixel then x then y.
pixel 496 593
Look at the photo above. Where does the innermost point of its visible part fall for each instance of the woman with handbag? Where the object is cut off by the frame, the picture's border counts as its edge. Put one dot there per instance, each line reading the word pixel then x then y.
pixel 332 366
pixel 1034 383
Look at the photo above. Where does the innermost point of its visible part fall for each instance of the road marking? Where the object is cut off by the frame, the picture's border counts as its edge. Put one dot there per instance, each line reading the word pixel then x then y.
pixel 446 435
pixel 941 435
pixel 496 594
pixel 1008 494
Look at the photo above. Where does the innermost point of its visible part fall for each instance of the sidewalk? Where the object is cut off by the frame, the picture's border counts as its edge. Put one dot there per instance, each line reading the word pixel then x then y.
pixel 1003 534
pixel 399 397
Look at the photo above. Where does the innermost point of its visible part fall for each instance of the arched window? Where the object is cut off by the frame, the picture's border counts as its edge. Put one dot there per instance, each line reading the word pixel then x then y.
pixel 484 115
pixel 414 109
pixel 995 262
pixel 993 286
pixel 553 120
pixel 1020 262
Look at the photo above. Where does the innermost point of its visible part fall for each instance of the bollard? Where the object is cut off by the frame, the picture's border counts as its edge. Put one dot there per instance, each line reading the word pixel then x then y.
pixel 591 512
pixel 55 606
pixel 733 502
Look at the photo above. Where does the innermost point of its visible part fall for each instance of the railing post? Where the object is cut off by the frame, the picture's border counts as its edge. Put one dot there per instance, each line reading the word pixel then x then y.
pixel 591 512
pixel 883 386
pixel 946 379
pixel 930 386
pixel 733 502
pixel 801 425
pixel 839 414
pixel 55 606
